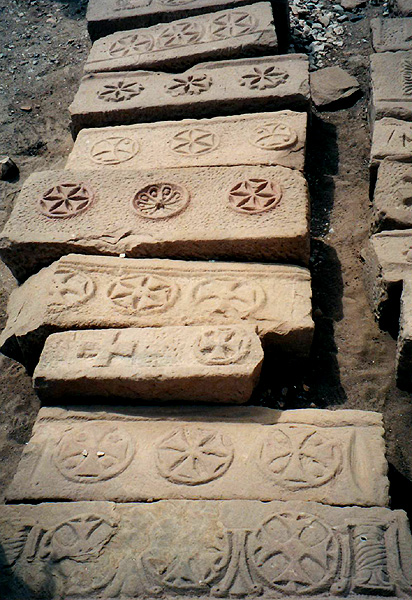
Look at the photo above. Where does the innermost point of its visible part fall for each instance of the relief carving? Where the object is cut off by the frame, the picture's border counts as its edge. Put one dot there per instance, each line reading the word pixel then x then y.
pixel 194 141
pixel 120 91
pixel 274 136
pixel 179 34
pixel 66 200
pixel 142 294
pixel 161 200
pixel 130 45
pixel 407 77
pixel 232 24
pixel 371 569
pixel 71 288
pixel 222 346
pixel 255 196
pixel 113 150
pixel 102 355
pixel 262 79
pixel 189 85
pixel 229 299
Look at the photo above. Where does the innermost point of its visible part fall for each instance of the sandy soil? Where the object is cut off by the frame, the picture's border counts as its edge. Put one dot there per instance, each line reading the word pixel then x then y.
pixel 352 362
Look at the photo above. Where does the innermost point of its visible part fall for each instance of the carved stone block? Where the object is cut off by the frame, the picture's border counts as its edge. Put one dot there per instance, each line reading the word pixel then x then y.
pixel 207 89
pixel 248 212
pixel 392 200
pixel 273 138
pixel 92 292
pixel 203 549
pixel 243 31
pixel 404 342
pixel 244 452
pixel 391 34
pixel 391 138
pixel 391 81
pixel 211 364
pixel 108 16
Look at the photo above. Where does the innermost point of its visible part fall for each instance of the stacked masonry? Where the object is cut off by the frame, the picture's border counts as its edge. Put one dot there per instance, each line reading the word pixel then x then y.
pixel 183 500
pixel 388 254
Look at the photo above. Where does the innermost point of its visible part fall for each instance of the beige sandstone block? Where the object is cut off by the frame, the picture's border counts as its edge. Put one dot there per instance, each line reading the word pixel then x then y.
pixel 333 457
pixel 273 138
pixel 392 202
pixel 391 138
pixel 391 85
pixel 243 31
pixel 391 34
pixel 92 292
pixel 207 89
pixel 209 364
pixel 404 342
pixel 248 212
pixel 204 549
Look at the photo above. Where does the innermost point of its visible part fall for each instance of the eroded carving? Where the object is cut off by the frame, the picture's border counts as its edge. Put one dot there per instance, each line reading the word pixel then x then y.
pixel 103 355
pixel 179 34
pixel 190 85
pixel 66 200
pixel 274 136
pixel 161 200
pixel 222 346
pixel 255 196
pixel 232 24
pixel 262 79
pixel 407 77
pixel 193 456
pixel 228 298
pixel 371 568
pixel 131 45
pixel 142 293
pixel 194 142
pixel 71 288
pixel 120 91
pixel 113 150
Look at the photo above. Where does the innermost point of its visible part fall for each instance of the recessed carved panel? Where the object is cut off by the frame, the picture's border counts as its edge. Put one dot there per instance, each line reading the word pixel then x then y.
pixel 66 200
pixel 407 77
pixel 254 196
pixel 222 346
pixel 113 150
pixel 161 200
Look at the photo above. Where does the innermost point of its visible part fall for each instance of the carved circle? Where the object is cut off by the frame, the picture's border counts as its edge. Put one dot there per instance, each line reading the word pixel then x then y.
pixel 232 24
pixel 274 136
pixel 254 196
pixel 121 91
pixel 190 85
pixel 193 456
pixel 161 200
pixel 195 141
pixel 66 200
pixel 299 461
pixel 142 294
pixel 228 299
pixel 113 150
pixel 179 34
pixel 295 553
pixel 99 453
pixel 264 78
pixel 222 346
pixel 131 45
pixel 71 288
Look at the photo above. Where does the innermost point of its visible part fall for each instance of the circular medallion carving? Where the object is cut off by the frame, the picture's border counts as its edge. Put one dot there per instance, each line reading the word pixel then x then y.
pixel 189 85
pixel 255 196
pixel 121 91
pixel 113 150
pixel 161 200
pixel 222 346
pixel 131 44
pixel 66 200
pixel 193 456
pixel 194 142
pixel 274 136
pixel 96 454
pixel 179 34
pixel 232 24
pixel 228 299
pixel 71 288
pixel 145 294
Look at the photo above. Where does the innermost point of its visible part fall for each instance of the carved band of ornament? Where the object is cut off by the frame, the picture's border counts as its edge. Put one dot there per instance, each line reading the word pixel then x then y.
pixel 407 77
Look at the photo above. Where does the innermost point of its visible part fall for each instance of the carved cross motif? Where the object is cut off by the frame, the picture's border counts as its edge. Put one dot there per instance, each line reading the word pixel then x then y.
pixel 103 355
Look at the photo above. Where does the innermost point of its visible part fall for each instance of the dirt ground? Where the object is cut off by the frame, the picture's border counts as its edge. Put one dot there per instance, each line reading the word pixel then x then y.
pixel 352 363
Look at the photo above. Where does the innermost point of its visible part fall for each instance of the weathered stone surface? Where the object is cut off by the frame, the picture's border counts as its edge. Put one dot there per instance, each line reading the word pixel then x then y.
pixel 391 81
pixel 255 213
pixel 389 35
pixel 331 86
pixel 108 16
pixel 204 549
pixel 404 342
pixel 8 169
pixel 253 453
pixel 211 364
pixel 244 31
pixel 392 202
pixel 403 7
pixel 207 89
pixel 92 292
pixel 391 138
pixel 254 139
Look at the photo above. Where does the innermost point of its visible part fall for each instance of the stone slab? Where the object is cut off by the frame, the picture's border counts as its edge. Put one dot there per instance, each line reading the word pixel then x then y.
pixel 108 16
pixel 333 458
pixel 243 213
pixel 208 89
pixel 391 138
pixel 208 364
pixel 403 7
pixel 389 35
pixel 233 33
pixel 272 138
pixel 392 202
pixel 391 85
pixel 93 292
pixel 204 549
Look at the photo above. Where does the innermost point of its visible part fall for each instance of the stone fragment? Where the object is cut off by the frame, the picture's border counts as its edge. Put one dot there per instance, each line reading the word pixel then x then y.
pixel 181 452
pixel 392 202
pixel 254 213
pixel 207 89
pixel 253 139
pixel 8 169
pixel 352 4
pixel 391 138
pixel 93 292
pixel 391 83
pixel 404 342
pixel 403 7
pixel 204 549
pixel 209 364
pixel 391 34
pixel 331 86
pixel 109 16
pixel 244 31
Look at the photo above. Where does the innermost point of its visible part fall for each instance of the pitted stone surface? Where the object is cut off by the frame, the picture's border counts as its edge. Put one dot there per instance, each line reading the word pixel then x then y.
pixel 392 200
pixel 403 7
pixel 207 89
pixel 251 453
pixel 204 549
pixel 212 364
pixel 273 138
pixel 389 35
pixel 247 212
pixel 92 292
pixel 391 138
pixel 391 81
pixel 243 31
pixel 109 16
